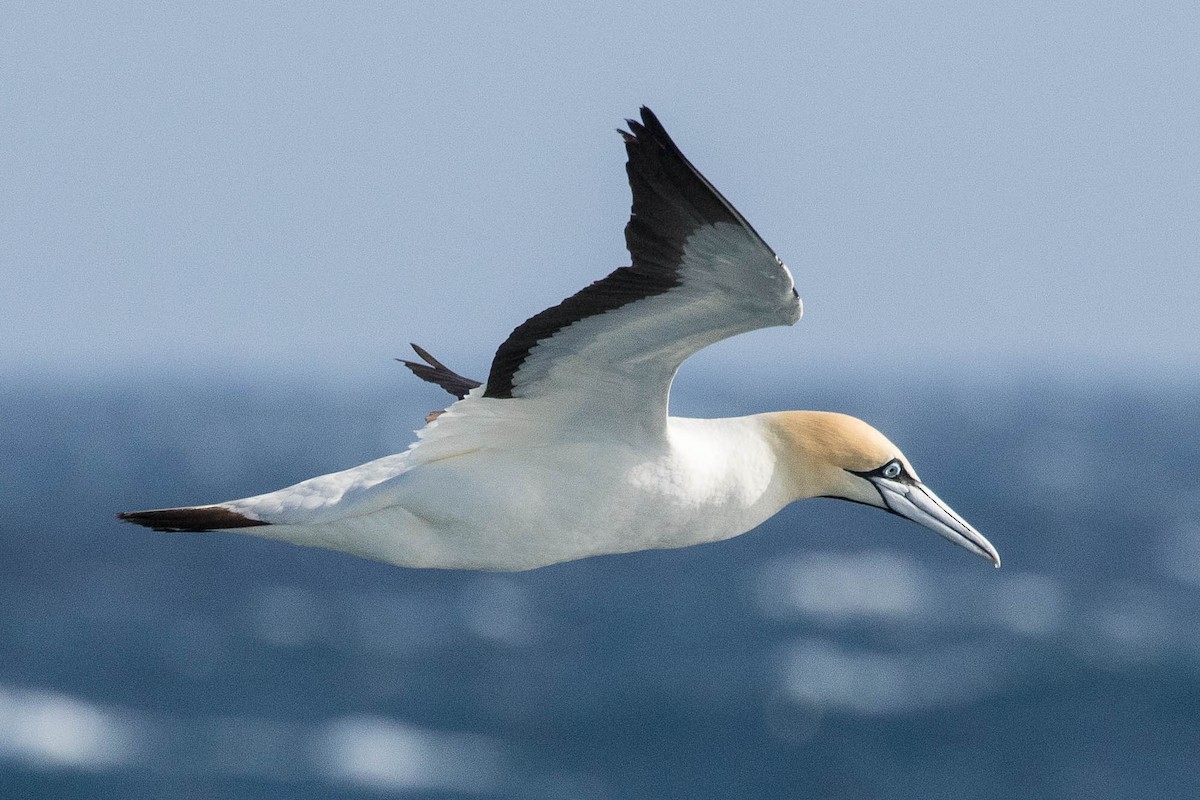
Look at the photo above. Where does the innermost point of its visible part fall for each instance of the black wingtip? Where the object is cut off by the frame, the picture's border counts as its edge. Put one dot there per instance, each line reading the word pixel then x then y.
pixel 424 354
pixel 190 519
pixel 438 373
pixel 650 129
pixel 649 118
pixel 637 131
pixel 653 153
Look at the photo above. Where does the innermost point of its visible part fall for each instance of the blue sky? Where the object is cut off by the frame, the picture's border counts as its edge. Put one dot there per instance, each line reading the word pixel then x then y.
pixel 304 188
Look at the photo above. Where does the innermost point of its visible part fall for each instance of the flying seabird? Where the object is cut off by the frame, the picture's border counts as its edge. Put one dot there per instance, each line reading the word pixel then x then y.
pixel 568 451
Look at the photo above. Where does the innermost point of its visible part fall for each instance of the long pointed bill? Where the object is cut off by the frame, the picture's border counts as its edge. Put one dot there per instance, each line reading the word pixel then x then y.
pixel 917 502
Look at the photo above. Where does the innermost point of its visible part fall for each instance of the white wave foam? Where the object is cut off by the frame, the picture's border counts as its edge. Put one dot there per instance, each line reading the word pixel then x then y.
pixel 386 754
pixel 1029 604
pixel 49 729
pixel 843 587
pixel 497 608
pixel 824 675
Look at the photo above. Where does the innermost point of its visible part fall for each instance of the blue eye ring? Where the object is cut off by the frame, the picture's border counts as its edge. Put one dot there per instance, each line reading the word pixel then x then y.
pixel 892 470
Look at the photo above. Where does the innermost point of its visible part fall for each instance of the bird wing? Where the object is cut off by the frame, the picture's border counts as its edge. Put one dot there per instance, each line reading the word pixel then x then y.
pixel 436 372
pixel 605 357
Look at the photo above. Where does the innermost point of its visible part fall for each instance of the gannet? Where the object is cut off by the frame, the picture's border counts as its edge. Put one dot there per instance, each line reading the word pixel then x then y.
pixel 568 451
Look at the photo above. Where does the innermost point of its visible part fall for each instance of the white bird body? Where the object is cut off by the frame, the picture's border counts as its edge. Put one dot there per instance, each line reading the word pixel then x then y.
pixel 507 502
pixel 567 451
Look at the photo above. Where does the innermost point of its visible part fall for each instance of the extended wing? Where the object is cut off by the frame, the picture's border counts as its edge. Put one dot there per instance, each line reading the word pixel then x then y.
pixel 605 357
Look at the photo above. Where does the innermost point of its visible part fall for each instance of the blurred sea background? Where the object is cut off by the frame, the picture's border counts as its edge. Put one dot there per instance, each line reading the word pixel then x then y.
pixel 220 223
pixel 834 652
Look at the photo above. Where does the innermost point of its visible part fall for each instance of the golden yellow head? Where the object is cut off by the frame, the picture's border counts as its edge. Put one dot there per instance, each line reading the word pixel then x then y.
pixel 825 454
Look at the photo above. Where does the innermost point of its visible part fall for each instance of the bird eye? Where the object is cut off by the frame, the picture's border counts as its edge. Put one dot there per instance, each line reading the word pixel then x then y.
pixel 892 470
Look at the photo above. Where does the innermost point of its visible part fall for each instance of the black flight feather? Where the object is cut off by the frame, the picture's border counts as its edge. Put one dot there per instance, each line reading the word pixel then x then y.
pixel 436 372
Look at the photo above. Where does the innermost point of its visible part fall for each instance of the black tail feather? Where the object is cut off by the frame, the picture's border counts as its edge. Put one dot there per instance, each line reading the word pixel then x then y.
pixel 193 519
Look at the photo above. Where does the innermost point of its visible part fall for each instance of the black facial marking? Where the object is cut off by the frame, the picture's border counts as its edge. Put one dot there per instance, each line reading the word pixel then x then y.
pixel 877 474
pixel 884 507
pixel 902 477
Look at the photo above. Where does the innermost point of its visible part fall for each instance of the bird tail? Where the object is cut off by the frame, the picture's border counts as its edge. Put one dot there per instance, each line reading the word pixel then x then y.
pixel 191 519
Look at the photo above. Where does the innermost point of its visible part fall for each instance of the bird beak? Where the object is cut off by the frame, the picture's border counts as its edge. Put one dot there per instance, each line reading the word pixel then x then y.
pixel 917 502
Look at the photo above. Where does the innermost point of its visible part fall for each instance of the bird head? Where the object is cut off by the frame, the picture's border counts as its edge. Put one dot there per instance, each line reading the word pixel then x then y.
pixel 839 456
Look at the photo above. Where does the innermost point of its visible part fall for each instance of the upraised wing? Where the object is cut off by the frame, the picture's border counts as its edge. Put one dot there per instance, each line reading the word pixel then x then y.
pixel 606 356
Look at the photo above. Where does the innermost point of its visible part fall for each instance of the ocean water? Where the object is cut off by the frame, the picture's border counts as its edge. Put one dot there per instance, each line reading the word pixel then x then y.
pixel 834 652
